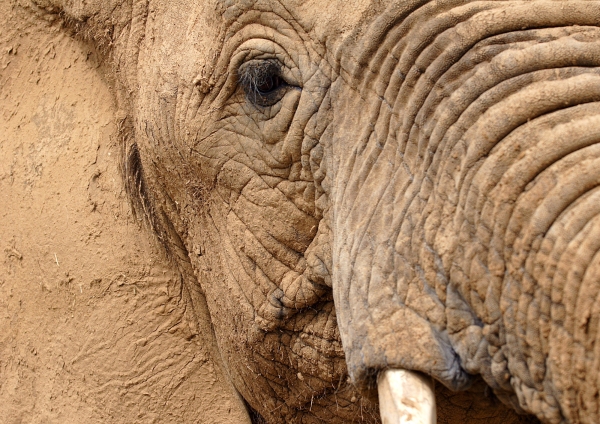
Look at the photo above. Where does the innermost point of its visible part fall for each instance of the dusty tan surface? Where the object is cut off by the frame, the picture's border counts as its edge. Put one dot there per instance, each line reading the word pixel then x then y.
pixel 92 326
pixel 430 170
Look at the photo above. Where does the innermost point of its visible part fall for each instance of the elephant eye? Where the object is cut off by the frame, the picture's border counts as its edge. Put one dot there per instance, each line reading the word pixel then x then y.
pixel 269 84
pixel 262 82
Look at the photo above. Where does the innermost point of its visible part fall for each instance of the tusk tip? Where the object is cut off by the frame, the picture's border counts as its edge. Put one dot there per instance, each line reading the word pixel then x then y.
pixel 406 397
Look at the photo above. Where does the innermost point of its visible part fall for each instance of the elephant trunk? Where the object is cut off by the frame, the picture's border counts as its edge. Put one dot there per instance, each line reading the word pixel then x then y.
pixel 466 216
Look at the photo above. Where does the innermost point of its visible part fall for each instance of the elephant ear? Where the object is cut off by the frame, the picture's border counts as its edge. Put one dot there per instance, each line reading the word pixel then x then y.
pixel 99 21
pixel 97 319
pixel 110 25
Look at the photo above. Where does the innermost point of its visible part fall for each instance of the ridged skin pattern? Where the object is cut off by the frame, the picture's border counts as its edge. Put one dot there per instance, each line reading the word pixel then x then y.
pixel 430 169
pixel 469 206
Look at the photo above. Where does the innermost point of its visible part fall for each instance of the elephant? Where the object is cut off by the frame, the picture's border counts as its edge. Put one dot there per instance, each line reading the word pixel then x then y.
pixel 356 187
pixel 93 325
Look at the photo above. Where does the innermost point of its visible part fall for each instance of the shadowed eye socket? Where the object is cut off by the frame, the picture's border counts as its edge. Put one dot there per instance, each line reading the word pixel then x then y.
pixel 269 84
pixel 262 82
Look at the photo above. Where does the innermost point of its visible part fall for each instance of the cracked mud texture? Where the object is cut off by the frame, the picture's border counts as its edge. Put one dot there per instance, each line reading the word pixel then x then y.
pixel 92 325
pixel 430 167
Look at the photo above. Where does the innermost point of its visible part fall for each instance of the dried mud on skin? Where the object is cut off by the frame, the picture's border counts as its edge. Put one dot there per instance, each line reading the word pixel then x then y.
pixel 93 327
pixel 92 324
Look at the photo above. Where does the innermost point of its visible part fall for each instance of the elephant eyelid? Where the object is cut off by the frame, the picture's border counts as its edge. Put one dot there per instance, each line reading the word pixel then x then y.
pixel 262 81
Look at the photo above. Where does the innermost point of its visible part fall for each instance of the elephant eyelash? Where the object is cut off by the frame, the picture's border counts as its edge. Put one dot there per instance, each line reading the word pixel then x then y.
pixel 262 82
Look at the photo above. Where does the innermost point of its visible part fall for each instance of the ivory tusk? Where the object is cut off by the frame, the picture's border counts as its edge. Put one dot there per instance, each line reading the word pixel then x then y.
pixel 406 397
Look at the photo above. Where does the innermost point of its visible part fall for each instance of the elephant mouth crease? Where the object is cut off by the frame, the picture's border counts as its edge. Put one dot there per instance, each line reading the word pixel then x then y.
pixel 296 294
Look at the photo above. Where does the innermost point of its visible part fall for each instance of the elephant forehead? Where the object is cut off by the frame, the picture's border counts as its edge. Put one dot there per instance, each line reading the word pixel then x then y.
pixel 178 28
pixel 326 19
pixel 335 20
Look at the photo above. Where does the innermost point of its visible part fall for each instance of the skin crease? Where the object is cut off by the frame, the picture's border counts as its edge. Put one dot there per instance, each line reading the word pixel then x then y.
pixel 382 180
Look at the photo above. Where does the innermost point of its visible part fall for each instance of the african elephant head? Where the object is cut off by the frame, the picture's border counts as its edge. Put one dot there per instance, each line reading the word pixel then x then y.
pixel 360 186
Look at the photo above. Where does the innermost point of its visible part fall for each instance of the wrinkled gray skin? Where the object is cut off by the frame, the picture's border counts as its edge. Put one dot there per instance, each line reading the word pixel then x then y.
pixel 429 168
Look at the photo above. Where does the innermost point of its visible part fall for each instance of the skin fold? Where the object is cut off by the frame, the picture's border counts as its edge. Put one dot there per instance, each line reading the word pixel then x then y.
pixel 368 185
